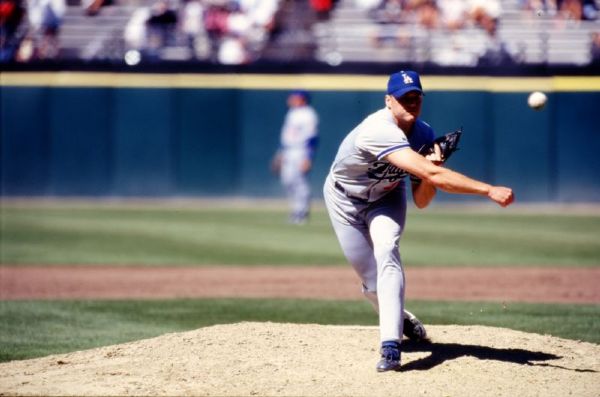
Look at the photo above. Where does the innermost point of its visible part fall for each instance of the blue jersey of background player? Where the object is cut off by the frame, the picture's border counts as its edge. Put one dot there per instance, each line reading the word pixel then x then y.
pixel 293 160
pixel 366 201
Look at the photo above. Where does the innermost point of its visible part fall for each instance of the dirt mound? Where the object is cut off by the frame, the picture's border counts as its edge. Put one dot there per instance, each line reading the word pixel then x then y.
pixel 269 359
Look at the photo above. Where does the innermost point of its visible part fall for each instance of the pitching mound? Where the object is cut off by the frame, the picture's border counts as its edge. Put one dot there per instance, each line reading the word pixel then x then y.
pixel 268 359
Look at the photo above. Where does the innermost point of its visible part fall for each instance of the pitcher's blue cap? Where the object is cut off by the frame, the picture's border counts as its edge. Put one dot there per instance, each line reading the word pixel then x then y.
pixel 302 93
pixel 402 82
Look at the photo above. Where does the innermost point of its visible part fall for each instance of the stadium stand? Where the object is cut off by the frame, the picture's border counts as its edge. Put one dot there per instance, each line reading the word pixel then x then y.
pixel 380 31
pixel 353 35
pixel 98 36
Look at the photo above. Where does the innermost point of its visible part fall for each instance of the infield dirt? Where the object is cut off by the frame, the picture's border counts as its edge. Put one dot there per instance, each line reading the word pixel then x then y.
pixel 270 359
pixel 527 284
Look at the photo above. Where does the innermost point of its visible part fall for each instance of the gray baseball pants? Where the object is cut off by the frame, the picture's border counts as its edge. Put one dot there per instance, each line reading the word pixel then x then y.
pixel 369 235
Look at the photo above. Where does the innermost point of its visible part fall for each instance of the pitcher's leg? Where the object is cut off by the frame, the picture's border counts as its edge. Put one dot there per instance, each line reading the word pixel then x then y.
pixel 353 237
pixel 385 234
pixel 356 246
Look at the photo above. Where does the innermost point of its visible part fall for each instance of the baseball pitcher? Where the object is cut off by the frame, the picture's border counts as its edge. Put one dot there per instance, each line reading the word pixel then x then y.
pixel 366 200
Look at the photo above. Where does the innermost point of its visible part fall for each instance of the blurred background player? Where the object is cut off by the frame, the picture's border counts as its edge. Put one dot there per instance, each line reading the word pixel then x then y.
pixel 293 159
pixel 366 201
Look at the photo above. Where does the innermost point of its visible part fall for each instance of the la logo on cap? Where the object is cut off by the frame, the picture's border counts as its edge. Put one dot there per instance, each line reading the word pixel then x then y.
pixel 407 78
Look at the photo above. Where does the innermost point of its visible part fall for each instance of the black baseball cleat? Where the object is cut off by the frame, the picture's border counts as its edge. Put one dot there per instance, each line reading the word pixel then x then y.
pixel 413 327
pixel 390 357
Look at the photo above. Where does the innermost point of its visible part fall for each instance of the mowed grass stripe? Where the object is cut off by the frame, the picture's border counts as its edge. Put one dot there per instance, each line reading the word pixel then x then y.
pixel 38 328
pixel 155 237
pixel 258 236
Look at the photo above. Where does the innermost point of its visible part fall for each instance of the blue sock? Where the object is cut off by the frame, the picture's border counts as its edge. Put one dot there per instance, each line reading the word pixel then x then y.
pixel 390 343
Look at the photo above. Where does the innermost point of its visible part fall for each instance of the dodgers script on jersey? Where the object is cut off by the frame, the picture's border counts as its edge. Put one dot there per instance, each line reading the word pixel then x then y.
pixel 360 168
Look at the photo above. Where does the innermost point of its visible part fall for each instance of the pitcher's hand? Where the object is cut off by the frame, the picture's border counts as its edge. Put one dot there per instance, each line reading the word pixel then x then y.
pixel 502 195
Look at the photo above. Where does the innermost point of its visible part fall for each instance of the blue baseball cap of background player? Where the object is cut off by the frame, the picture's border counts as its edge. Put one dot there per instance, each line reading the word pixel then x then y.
pixel 301 93
pixel 403 82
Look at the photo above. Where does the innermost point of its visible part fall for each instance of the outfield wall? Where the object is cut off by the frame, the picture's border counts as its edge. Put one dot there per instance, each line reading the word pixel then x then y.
pixel 94 134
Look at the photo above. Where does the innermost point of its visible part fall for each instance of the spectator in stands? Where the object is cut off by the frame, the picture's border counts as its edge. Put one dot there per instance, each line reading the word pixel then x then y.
pixel 247 26
pixel 135 30
pixel 322 8
pixel 428 14
pixel 496 53
pixel 485 14
pixel 577 10
pixel 222 31
pixel 11 15
pixel 392 16
pixel 233 50
pixel 453 14
pixel 590 10
pixel 161 25
pixel 192 26
pixel 45 19
pixel 92 7
pixel 258 13
pixel 389 12
pixel 261 13
pixel 215 25
pixel 570 9
pixel 238 22
pixel 425 12
pixel 595 49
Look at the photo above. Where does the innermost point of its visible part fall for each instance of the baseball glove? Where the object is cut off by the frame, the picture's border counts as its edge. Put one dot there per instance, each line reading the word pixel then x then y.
pixel 448 144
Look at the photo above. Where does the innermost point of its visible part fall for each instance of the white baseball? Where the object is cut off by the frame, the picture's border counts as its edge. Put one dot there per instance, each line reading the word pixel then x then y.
pixel 537 100
pixel 132 57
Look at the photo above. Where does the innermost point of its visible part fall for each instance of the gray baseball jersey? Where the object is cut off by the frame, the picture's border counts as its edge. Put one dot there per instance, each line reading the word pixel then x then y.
pixel 299 136
pixel 359 167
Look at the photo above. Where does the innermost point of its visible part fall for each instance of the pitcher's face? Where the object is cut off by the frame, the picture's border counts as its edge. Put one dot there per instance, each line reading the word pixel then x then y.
pixel 406 109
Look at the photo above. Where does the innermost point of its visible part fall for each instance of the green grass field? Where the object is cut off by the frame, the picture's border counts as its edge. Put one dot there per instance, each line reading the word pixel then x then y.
pixel 38 328
pixel 196 234
pixel 220 235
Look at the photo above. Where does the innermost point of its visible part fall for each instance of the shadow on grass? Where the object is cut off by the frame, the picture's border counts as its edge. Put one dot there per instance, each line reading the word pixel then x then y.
pixel 441 352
